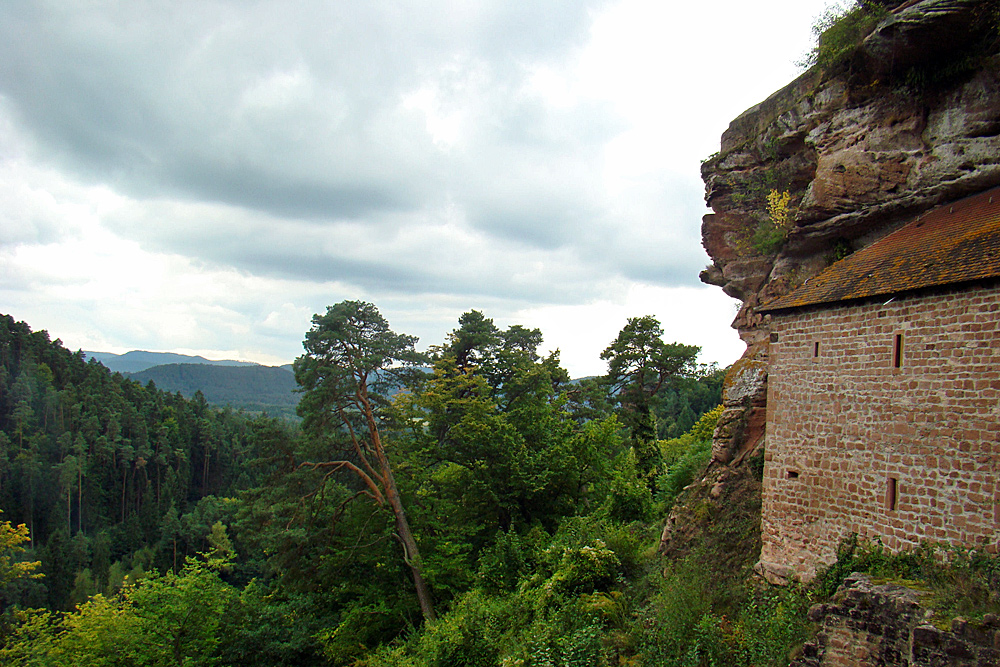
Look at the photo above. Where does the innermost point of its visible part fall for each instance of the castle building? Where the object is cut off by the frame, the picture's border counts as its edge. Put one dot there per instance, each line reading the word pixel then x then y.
pixel 883 403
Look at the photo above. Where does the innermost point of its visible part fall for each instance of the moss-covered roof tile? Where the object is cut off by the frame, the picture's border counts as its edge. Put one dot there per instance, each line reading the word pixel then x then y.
pixel 954 243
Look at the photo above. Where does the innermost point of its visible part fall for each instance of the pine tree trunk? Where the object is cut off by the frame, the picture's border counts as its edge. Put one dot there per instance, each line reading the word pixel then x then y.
pixel 31 508
pixel 410 551
pixel 204 472
pixel 79 501
pixel 124 485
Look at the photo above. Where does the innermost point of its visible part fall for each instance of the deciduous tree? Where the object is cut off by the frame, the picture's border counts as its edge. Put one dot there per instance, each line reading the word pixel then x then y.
pixel 11 540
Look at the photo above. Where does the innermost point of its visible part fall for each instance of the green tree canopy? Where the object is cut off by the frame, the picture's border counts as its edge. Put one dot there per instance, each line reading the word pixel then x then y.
pixel 12 539
pixel 352 362
pixel 640 363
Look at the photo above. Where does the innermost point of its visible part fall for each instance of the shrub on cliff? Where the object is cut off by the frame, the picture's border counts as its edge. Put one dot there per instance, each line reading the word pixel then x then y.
pixel 840 31
pixel 958 581
pixel 686 456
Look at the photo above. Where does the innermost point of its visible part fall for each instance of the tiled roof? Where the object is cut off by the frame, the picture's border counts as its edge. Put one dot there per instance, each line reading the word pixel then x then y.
pixel 954 243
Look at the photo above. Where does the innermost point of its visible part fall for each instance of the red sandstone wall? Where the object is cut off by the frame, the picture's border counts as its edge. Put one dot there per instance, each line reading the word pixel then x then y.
pixel 847 420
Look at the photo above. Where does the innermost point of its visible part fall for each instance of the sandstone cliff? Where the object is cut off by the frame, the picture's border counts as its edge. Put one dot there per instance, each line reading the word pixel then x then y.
pixel 907 119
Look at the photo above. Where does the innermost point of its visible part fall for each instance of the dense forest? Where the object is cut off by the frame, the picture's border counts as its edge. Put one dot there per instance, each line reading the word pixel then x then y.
pixel 208 536
pixel 465 506
pixel 111 478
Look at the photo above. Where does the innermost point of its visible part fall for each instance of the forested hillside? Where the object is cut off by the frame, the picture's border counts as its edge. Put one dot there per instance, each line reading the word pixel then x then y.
pixel 109 476
pixel 465 506
pixel 256 389
pixel 182 532
pixel 137 361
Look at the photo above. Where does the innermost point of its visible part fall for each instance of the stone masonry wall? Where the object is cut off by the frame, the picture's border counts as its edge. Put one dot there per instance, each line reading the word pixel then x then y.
pixel 884 625
pixel 856 444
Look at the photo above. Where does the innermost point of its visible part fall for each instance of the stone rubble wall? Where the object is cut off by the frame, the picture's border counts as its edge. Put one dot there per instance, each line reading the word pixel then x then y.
pixel 869 625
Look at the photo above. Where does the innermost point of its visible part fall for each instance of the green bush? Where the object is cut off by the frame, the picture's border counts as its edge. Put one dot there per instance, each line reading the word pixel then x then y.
pixel 484 630
pixel 558 603
pixel 770 234
pixel 683 471
pixel 681 626
pixel 771 622
pixel 667 624
pixel 705 426
pixel 840 31
pixel 555 646
pixel 959 581
pixel 161 620
pixel 768 238
pixel 362 625
pixel 584 556
pixel 465 636
pixel 270 628
pixel 505 562
pixel 629 497
pixel 592 567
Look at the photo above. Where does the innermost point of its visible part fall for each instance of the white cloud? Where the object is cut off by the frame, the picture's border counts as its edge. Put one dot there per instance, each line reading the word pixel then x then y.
pixel 693 316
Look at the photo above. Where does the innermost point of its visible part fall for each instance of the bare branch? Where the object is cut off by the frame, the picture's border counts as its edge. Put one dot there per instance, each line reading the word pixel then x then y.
pixel 374 489
pixel 359 449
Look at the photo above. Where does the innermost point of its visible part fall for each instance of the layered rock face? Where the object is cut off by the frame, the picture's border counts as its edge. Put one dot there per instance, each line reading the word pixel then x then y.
pixel 907 121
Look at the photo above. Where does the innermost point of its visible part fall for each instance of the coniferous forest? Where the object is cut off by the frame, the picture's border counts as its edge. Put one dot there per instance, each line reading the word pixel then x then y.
pixel 467 505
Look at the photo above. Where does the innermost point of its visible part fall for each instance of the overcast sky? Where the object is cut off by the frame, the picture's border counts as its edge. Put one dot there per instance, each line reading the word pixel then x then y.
pixel 203 176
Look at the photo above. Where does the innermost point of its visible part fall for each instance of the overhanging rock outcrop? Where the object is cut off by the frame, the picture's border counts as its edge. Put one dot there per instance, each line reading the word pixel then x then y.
pixel 908 121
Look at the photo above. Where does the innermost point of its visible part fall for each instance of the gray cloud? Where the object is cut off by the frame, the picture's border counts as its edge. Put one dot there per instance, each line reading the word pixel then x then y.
pixel 263 160
pixel 302 114
pixel 290 109
pixel 28 217
pixel 430 255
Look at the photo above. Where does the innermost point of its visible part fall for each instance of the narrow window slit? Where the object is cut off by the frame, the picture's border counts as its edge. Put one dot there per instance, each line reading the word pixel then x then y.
pixel 897 351
pixel 793 474
pixel 891 497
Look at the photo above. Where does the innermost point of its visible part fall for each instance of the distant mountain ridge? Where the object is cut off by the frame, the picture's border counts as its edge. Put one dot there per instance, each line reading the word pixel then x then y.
pixel 137 361
pixel 242 385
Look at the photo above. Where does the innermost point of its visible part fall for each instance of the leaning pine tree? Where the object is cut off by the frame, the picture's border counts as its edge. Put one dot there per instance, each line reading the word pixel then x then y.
pixel 351 357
